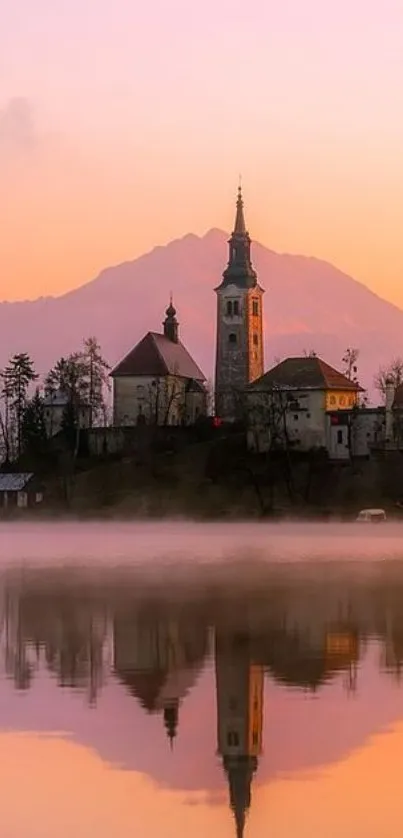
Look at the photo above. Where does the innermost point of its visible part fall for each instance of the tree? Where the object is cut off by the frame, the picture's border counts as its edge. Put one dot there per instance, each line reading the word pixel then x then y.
pixel 17 377
pixel 6 421
pixel 393 372
pixel 267 414
pixel 33 429
pixel 97 375
pixel 349 361
pixel 83 378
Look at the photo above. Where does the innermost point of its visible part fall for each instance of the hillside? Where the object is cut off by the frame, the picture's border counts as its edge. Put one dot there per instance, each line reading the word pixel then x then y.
pixel 309 304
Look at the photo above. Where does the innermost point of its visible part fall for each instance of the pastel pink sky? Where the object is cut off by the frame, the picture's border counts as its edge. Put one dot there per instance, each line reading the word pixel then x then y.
pixel 124 125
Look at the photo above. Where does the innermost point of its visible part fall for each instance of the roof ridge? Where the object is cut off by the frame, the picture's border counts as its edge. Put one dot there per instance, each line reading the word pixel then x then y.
pixel 160 355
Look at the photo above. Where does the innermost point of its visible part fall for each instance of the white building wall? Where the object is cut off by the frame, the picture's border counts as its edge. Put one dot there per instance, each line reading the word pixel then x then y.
pixel 305 419
pixel 367 427
pixel 159 400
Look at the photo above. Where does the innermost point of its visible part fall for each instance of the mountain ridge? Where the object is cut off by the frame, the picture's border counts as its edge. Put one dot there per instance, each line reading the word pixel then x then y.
pixel 309 304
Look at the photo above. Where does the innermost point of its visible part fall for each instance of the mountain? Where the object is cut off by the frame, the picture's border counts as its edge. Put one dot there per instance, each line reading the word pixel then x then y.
pixel 309 304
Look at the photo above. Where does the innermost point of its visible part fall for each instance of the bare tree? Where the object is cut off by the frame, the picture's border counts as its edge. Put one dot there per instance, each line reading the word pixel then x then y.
pixel 165 401
pixel 392 372
pixel 267 414
pixel 349 361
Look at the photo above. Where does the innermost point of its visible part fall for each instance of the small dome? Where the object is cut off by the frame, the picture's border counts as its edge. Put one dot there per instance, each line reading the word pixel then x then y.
pixel 170 311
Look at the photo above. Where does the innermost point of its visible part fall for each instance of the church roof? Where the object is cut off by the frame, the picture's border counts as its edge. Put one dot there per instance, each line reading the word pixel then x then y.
pixel 307 373
pixel 145 686
pixel 156 355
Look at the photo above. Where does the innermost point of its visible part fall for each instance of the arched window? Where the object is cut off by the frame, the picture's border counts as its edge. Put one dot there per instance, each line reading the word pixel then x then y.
pixel 236 307
pixel 255 307
pixel 232 337
pixel 255 339
pixel 229 308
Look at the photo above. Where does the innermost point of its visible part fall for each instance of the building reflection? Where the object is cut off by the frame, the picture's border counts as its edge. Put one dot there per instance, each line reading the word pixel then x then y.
pixel 156 647
pixel 158 657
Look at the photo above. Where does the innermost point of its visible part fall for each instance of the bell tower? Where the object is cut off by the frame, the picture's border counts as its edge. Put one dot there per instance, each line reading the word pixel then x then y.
pixel 239 344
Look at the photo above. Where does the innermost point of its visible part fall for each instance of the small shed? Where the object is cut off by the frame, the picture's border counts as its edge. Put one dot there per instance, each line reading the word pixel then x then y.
pixel 20 490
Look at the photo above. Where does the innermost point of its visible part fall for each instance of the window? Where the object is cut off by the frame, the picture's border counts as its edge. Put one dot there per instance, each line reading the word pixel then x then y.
pixel 229 308
pixel 255 308
pixel 232 337
pixel 236 307
pixel 339 437
pixel 255 738
pixel 308 415
pixel 232 739
pixel 296 417
pixel 255 339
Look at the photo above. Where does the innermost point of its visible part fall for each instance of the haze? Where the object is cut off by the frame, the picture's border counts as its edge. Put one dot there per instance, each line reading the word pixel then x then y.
pixel 125 125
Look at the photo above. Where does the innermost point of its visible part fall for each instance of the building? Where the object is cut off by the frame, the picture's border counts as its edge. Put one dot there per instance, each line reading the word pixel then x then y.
pixel 240 696
pixel 158 382
pixel 20 490
pixel 239 347
pixel 289 404
pixel 55 405
pixel 354 433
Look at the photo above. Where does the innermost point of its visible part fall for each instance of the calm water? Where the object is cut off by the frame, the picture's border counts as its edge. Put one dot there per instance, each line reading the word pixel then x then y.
pixel 180 680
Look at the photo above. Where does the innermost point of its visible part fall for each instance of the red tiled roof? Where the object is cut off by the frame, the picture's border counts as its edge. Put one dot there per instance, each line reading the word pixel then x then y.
pixel 156 355
pixel 307 373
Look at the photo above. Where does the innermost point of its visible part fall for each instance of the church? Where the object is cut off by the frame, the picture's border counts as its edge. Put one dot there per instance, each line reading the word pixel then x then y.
pixel 158 382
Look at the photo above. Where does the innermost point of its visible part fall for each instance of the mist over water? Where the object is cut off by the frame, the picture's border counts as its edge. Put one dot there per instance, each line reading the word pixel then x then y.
pixel 141 544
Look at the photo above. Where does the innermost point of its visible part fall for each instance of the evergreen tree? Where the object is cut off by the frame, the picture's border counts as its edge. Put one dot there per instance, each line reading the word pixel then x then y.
pixel 17 377
pixel 33 429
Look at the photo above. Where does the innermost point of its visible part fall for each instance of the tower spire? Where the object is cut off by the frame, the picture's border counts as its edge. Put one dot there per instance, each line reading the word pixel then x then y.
pixel 240 226
pixel 171 721
pixel 171 325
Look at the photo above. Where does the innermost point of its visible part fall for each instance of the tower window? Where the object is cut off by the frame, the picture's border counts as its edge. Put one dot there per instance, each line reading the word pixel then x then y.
pixel 232 739
pixel 232 337
pixel 229 308
pixel 236 307
pixel 255 339
pixel 255 308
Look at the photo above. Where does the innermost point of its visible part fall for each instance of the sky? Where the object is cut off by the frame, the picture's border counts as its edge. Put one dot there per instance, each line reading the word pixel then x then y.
pixel 124 125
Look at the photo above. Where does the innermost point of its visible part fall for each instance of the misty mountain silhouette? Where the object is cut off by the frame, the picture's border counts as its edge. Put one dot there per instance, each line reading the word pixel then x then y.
pixel 309 304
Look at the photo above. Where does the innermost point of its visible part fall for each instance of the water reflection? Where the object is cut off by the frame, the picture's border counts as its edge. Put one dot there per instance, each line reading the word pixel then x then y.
pixel 300 631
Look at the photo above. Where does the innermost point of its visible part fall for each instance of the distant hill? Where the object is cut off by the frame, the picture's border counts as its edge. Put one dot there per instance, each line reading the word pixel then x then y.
pixel 309 304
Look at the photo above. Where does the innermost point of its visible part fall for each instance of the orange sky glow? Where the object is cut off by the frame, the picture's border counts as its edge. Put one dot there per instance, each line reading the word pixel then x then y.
pixel 134 137
pixel 71 791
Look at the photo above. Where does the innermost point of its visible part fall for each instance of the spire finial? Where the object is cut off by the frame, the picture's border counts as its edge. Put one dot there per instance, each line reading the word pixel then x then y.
pixel 240 226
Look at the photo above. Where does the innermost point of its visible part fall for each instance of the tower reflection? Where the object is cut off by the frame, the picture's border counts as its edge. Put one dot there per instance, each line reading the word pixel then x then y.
pixel 240 694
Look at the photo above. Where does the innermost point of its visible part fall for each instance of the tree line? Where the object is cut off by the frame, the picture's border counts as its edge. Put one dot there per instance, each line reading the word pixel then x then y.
pixel 80 380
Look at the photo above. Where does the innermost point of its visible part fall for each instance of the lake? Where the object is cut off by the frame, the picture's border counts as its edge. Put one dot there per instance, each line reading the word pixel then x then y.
pixel 167 680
